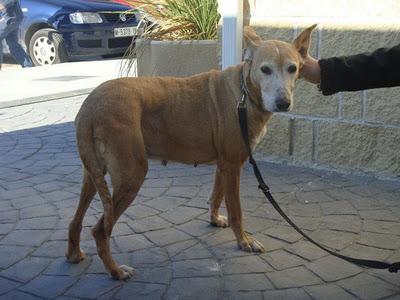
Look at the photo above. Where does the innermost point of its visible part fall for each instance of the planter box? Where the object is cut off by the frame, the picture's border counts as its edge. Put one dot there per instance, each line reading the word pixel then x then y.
pixel 175 58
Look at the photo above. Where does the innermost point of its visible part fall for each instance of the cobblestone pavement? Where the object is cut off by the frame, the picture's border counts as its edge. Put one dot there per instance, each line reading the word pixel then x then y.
pixel 165 234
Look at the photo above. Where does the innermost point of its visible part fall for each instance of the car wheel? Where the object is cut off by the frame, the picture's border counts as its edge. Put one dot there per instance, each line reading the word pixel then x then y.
pixel 47 47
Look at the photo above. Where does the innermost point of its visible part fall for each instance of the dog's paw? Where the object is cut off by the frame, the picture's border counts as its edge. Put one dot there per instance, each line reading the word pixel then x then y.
pixel 219 221
pixel 250 244
pixel 75 257
pixel 123 273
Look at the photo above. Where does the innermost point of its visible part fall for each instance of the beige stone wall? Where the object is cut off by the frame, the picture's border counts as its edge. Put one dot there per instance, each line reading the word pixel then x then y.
pixel 351 130
pixel 175 58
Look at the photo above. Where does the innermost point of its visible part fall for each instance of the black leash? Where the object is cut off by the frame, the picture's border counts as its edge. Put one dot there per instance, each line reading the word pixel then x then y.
pixel 242 111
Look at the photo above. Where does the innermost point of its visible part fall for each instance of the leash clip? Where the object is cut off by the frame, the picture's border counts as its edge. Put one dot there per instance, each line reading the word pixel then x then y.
pixel 242 101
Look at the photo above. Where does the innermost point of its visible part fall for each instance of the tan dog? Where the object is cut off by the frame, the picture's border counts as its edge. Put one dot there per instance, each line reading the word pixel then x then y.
pixel 193 120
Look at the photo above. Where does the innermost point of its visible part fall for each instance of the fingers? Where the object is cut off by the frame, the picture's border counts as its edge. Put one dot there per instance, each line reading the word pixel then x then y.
pixel 310 70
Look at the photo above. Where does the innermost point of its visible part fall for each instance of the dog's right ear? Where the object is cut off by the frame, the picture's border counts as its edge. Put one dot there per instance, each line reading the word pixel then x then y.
pixel 302 42
pixel 251 42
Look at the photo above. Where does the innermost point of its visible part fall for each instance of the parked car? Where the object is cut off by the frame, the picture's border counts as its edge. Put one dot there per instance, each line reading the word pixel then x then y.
pixel 56 31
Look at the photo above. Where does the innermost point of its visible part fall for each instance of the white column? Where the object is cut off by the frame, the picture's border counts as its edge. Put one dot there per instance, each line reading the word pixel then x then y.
pixel 232 32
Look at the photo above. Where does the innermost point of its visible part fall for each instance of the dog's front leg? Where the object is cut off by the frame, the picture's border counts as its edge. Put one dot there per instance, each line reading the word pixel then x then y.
pixel 231 179
pixel 215 200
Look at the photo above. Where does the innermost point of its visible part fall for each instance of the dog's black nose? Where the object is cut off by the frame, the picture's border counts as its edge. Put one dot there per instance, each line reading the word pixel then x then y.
pixel 283 104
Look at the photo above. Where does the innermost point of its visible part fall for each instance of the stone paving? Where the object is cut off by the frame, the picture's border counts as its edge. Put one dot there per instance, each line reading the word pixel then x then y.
pixel 165 235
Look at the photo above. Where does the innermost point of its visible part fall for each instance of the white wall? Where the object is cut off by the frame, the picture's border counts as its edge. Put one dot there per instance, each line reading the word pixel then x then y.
pixel 338 10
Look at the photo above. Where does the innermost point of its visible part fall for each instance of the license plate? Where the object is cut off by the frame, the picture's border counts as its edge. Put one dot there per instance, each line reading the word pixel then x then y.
pixel 125 31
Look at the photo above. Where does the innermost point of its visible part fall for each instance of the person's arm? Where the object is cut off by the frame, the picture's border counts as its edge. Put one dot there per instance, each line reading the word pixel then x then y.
pixel 14 10
pixel 357 72
pixel 18 10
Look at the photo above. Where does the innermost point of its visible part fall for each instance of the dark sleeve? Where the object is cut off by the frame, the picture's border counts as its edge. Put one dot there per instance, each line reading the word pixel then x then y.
pixel 378 69
pixel 18 10
pixel 14 9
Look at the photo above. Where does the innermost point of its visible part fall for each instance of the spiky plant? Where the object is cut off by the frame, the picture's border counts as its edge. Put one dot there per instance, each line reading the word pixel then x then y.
pixel 181 19
pixel 174 20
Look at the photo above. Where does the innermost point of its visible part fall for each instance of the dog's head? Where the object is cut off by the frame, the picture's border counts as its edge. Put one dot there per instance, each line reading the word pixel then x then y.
pixel 274 67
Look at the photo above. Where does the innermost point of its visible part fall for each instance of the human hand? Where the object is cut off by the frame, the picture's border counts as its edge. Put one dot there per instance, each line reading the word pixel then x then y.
pixel 310 70
pixel 2 11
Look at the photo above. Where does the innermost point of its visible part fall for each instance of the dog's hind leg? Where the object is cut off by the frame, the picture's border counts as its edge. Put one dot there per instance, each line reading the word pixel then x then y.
pixel 215 201
pixel 74 253
pixel 127 165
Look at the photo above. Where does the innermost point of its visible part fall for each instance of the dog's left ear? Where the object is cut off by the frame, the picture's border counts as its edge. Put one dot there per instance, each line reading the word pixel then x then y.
pixel 251 42
pixel 302 42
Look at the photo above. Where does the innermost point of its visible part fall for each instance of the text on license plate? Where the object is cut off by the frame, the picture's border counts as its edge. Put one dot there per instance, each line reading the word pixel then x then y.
pixel 125 31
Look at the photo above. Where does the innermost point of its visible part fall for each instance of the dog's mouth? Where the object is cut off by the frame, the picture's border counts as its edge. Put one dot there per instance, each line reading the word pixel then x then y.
pixel 275 109
pixel 276 104
pixel 284 109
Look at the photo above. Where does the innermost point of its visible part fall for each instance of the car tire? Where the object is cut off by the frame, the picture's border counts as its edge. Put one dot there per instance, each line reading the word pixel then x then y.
pixel 47 47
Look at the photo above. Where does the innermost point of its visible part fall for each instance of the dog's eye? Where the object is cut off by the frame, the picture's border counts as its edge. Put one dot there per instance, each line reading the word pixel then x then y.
pixel 266 70
pixel 292 69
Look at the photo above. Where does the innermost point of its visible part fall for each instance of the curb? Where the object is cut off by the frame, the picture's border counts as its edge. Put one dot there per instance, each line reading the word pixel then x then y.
pixel 44 98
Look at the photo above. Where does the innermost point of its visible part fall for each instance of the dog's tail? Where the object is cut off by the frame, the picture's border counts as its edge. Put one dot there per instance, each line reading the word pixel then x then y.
pixel 96 169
